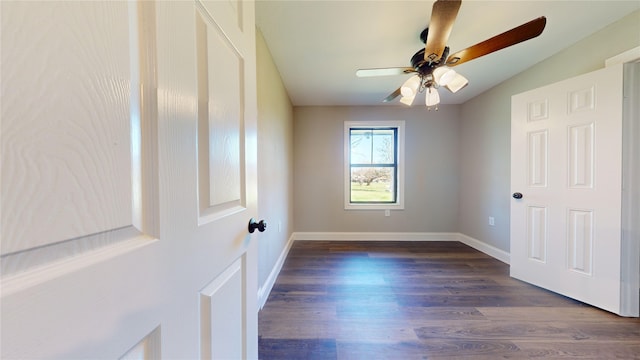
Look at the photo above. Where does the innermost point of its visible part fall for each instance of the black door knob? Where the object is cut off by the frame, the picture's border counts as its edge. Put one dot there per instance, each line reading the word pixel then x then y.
pixel 517 195
pixel 253 225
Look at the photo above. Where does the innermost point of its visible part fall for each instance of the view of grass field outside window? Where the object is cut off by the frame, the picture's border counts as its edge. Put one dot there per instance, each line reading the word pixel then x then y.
pixel 373 165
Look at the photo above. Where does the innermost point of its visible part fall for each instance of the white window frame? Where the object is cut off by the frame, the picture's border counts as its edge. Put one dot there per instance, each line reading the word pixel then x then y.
pixel 399 203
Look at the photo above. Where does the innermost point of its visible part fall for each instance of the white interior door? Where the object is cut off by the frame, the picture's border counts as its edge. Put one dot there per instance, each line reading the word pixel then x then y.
pixel 128 178
pixel 566 146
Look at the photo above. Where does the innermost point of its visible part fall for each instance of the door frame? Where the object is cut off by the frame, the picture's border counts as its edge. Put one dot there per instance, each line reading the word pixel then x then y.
pixel 630 242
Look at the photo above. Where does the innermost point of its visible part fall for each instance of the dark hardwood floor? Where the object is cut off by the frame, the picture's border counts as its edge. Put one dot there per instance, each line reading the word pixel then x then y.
pixel 426 300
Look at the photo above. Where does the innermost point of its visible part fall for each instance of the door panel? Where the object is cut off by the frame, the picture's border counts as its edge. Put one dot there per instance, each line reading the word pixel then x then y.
pixel 580 240
pixel 221 304
pixel 581 160
pixel 537 223
pixel 566 160
pixel 219 122
pixel 538 157
pixel 61 157
pixel 118 119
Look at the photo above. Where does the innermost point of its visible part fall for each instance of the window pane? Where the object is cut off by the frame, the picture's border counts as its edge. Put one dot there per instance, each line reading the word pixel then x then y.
pixel 372 146
pixel 372 184
pixel 383 147
pixel 361 146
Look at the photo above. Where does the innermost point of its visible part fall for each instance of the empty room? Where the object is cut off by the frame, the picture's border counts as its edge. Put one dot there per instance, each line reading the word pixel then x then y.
pixel 318 179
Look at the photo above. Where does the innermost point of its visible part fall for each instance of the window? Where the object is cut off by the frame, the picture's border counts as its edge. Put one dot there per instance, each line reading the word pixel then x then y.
pixel 373 164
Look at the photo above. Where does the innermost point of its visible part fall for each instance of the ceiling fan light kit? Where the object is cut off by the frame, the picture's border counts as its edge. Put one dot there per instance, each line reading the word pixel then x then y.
pixel 410 87
pixel 432 98
pixel 432 64
pixel 408 100
pixel 457 83
pixel 443 75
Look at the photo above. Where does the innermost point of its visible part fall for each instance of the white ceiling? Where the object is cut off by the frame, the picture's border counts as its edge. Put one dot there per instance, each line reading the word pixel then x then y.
pixel 318 45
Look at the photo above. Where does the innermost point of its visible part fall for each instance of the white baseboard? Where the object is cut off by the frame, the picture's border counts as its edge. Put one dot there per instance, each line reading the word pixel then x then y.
pixel 265 289
pixel 375 236
pixel 490 250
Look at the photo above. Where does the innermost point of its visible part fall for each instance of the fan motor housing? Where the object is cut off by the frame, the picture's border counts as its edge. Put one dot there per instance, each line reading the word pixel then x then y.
pixel 425 67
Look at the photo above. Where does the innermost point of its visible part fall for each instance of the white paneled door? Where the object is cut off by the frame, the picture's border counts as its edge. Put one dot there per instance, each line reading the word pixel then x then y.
pixel 566 178
pixel 128 179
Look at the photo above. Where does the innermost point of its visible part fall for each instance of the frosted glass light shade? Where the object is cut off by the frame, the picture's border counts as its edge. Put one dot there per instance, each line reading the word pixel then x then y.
pixel 410 87
pixel 432 97
pixel 443 75
pixel 457 83
pixel 407 100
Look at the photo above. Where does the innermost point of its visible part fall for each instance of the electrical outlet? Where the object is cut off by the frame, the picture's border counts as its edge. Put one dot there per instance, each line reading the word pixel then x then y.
pixel 492 221
pixel 387 212
pixel 279 226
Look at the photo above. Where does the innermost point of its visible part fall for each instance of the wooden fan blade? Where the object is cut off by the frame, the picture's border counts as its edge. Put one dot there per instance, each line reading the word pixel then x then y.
pixel 384 71
pixel 514 36
pixel 392 96
pixel 443 16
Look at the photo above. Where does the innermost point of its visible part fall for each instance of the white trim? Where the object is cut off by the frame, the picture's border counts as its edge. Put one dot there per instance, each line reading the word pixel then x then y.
pixel 374 236
pixel 630 254
pixel 490 250
pixel 631 55
pixel 265 289
pixel 400 125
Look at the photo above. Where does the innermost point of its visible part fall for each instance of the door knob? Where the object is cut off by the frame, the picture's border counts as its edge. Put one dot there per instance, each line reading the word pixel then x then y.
pixel 253 225
pixel 517 195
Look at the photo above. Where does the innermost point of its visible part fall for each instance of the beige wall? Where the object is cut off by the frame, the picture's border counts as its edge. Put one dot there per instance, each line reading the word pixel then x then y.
pixel 431 172
pixel 275 161
pixel 486 127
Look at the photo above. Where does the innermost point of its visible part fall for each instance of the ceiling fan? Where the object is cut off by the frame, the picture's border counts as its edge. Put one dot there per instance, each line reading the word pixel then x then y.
pixel 432 64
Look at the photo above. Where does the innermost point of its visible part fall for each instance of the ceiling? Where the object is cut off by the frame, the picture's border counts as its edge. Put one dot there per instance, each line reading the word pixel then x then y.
pixel 317 45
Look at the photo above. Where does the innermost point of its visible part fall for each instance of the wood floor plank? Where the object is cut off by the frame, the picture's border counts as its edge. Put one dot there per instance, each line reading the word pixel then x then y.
pixel 594 351
pixel 528 314
pixel 433 349
pixel 296 349
pixel 450 313
pixel 373 330
pixel 426 300
pixel 569 350
pixel 276 312
pixel 492 330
